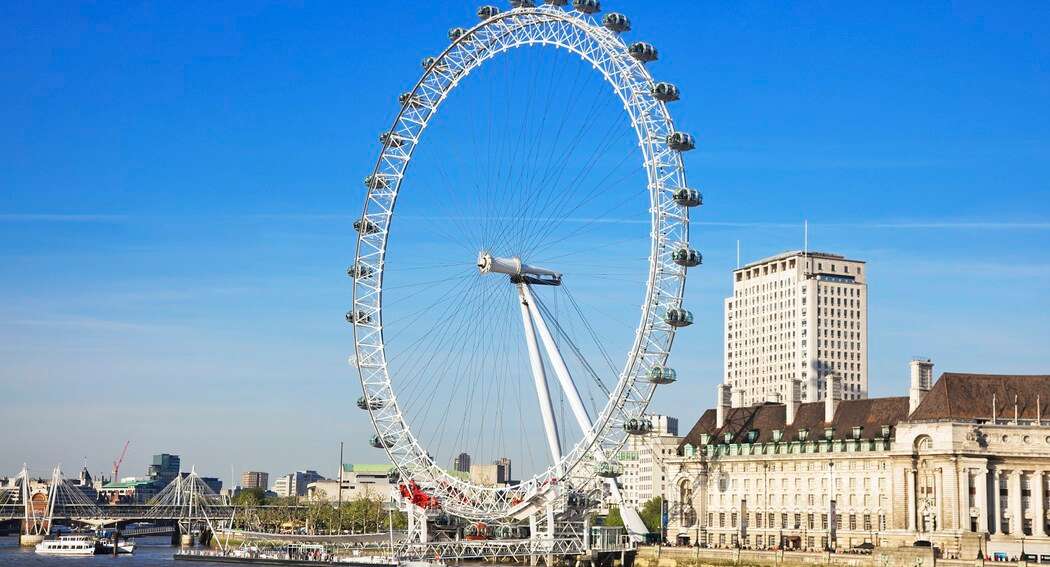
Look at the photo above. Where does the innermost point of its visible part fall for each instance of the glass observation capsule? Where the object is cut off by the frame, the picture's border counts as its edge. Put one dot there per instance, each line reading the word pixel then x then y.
pixel 678 317
pixel 665 92
pixel 616 22
pixel 486 12
pixel 687 257
pixel 361 271
pixel 381 442
pixel 358 317
pixel 372 404
pixel 609 469
pixel 680 141
pixel 432 62
pixel 522 3
pixel 556 2
pixel 391 139
pixel 410 100
pixel 638 426
pixel 688 197
pixel 365 226
pixel 661 375
pixel 644 52
pixel 586 6
pixel 456 33
pixel 376 182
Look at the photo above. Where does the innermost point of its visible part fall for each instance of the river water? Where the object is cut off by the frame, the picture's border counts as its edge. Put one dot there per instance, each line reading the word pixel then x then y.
pixel 149 551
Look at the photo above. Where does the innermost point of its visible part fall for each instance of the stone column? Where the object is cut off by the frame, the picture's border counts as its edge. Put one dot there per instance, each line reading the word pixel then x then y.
pixel 1013 492
pixel 980 482
pixel 938 499
pixel 911 494
pixel 1038 511
pixel 996 526
pixel 962 508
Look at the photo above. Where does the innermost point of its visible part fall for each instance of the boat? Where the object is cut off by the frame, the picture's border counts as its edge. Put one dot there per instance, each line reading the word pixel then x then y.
pixel 105 546
pixel 67 545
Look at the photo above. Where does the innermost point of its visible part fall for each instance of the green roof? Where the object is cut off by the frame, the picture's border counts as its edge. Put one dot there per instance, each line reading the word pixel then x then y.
pixel 367 469
pixel 127 484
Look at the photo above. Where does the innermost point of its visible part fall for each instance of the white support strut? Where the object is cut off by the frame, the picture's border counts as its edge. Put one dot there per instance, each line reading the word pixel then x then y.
pixel 540 380
pixel 632 521
pixel 560 370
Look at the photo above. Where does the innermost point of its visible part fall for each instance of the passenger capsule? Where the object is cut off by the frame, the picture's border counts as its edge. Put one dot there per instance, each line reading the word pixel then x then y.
pixel 410 100
pixel 391 139
pixel 360 271
pixel 522 3
pixel 366 404
pixel 665 92
pixel 638 426
pixel 678 317
pixel 587 6
pixel 456 33
pixel 609 469
pixel 432 62
pixel 376 182
pixel 486 12
pixel 643 52
pixel 359 317
pixel 616 22
pixel 680 142
pixel 556 2
pixel 688 197
pixel 687 257
pixel 365 226
pixel 661 375
pixel 381 442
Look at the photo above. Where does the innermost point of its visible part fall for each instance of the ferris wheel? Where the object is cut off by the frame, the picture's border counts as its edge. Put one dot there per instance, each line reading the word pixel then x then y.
pixel 483 318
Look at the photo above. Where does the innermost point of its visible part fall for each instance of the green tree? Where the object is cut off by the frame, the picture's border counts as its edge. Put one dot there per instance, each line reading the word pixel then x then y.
pixel 250 497
pixel 652 514
pixel 614 519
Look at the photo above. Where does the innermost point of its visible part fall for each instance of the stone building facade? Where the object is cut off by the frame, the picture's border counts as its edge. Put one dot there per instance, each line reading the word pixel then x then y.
pixel 961 464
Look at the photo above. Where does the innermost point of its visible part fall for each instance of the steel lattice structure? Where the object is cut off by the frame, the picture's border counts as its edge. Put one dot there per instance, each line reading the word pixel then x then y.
pixel 582 34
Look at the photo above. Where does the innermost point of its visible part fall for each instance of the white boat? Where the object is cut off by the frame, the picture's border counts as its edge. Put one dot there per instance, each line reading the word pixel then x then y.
pixel 105 546
pixel 67 545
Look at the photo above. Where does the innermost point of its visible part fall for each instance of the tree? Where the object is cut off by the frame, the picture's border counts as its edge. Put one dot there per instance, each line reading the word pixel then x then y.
pixel 614 519
pixel 250 497
pixel 652 514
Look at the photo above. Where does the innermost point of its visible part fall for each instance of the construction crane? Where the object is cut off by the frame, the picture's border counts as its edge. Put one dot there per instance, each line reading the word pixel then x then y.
pixel 117 463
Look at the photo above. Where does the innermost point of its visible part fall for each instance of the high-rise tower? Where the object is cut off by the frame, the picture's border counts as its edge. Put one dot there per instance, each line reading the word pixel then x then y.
pixel 797 315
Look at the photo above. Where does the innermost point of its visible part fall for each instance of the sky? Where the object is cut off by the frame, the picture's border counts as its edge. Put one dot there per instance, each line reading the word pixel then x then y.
pixel 178 183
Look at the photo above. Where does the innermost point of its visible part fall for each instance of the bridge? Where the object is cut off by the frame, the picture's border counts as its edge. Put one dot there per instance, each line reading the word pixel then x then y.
pixel 187 503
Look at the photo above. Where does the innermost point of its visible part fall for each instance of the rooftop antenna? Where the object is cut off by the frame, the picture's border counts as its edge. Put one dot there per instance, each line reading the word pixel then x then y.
pixel 738 254
pixel 993 407
pixel 1015 410
pixel 1038 410
pixel 805 237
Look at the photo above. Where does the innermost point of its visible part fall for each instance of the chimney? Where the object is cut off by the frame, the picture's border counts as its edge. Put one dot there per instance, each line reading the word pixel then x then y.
pixel 738 398
pixel 722 405
pixel 921 381
pixel 811 387
pixel 832 397
pixel 794 399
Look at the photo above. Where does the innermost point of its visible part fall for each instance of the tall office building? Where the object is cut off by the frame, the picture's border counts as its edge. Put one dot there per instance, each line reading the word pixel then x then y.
pixel 296 483
pixel 461 463
pixel 798 316
pixel 164 469
pixel 255 479
pixel 503 470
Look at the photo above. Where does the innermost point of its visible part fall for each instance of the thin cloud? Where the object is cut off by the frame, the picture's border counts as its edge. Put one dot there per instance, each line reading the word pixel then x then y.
pixel 47 217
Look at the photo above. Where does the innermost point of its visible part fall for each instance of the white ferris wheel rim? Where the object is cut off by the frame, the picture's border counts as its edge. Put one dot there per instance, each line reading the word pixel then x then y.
pixel 580 34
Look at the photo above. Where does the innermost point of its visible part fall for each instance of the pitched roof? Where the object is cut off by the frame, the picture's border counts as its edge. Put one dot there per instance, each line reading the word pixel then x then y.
pixel 871 414
pixel 969 396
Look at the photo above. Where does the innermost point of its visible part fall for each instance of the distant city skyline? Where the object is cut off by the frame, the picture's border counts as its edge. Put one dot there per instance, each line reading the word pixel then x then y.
pixel 179 185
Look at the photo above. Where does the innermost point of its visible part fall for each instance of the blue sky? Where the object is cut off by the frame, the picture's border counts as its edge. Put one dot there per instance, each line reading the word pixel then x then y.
pixel 178 182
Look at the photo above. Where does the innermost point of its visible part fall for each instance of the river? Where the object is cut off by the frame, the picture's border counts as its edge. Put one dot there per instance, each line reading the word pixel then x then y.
pixel 148 552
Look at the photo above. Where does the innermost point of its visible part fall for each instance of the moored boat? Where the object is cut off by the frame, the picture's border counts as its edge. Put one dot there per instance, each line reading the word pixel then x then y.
pixel 67 545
